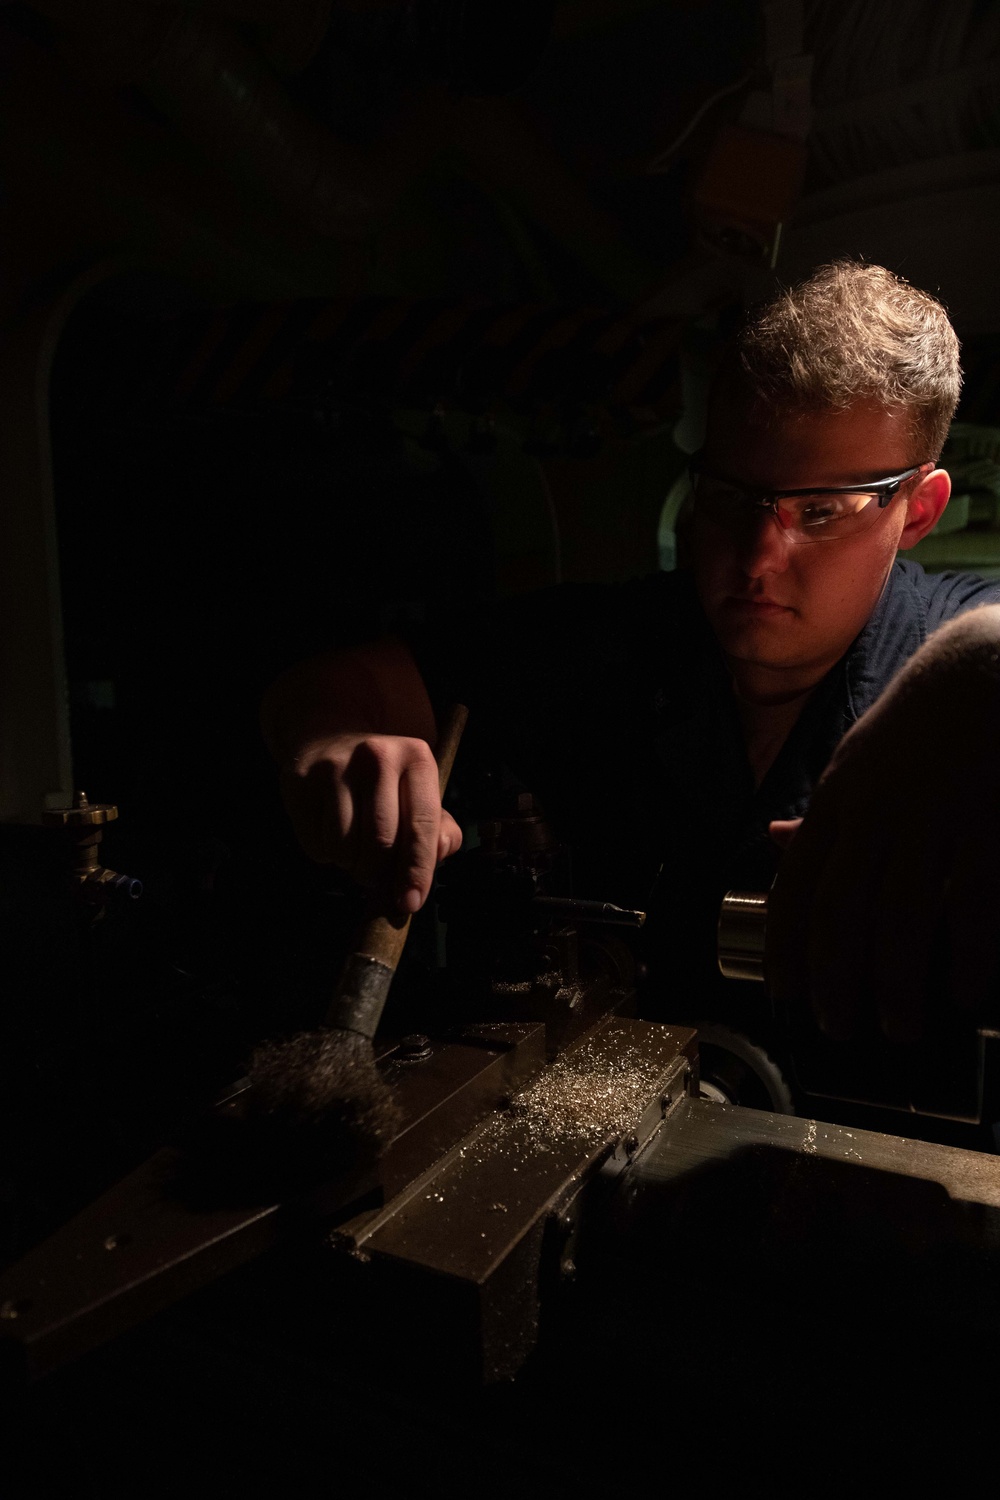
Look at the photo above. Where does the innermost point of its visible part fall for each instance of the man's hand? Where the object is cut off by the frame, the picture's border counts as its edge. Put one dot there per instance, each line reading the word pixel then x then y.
pixel 369 803
pixel 888 897
pixel 352 733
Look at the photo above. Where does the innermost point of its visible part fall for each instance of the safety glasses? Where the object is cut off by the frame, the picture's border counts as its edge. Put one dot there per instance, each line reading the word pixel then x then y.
pixel 804 515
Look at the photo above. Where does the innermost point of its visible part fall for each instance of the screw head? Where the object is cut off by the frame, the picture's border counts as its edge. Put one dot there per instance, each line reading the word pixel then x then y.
pixel 414 1047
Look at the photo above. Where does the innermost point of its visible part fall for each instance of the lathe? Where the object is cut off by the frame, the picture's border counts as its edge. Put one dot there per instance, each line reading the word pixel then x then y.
pixel 562 1194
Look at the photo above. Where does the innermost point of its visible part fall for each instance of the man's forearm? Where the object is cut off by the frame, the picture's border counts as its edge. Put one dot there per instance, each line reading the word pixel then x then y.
pixel 371 689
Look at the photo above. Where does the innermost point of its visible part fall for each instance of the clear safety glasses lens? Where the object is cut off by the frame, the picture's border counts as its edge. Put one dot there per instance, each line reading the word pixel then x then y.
pixel 802 518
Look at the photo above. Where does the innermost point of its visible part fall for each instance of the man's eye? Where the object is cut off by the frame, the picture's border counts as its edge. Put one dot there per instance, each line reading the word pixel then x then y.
pixel 822 509
pixel 815 514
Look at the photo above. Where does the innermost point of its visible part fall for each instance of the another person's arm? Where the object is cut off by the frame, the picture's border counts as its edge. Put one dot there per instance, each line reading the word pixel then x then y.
pixel 353 735
pixel 888 895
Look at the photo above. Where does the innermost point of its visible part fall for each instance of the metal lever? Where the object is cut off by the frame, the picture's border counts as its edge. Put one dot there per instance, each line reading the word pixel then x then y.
pixel 589 911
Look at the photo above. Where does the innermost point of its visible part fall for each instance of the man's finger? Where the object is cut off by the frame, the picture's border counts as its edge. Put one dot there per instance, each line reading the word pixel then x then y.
pixel 339 825
pixel 419 830
pixel 783 830
pixel 373 783
pixel 322 822
pixel 449 836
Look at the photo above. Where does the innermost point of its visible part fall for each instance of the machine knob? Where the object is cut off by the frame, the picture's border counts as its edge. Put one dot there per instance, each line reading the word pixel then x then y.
pixel 740 941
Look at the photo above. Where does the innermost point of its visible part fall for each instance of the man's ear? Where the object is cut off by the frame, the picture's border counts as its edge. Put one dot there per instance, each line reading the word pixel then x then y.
pixel 925 507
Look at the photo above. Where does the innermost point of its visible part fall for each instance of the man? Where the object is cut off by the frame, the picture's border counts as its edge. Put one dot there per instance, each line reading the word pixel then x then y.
pixel 675 727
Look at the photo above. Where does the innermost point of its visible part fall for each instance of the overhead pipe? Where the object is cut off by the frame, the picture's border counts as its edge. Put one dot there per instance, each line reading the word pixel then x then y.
pixel 227 99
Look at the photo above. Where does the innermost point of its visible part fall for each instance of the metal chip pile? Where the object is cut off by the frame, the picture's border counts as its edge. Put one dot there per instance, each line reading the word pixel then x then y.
pixel 586 1094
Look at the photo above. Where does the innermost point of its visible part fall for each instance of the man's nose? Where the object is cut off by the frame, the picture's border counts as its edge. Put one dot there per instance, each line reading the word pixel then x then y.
pixel 761 545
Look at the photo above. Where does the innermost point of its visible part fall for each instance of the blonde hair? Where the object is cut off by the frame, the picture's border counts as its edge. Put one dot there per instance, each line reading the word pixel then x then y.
pixel 853 332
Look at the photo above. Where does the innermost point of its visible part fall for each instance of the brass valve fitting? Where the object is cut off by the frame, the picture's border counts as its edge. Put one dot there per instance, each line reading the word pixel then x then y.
pixel 93 883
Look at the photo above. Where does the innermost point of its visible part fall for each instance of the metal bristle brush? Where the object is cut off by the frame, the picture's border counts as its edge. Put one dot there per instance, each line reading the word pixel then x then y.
pixel 317 1102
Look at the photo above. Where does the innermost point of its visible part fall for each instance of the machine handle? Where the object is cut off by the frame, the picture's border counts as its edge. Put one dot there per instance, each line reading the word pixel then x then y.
pixel 741 934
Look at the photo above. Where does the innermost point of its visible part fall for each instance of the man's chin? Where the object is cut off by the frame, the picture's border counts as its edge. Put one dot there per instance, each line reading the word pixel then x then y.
pixel 768 642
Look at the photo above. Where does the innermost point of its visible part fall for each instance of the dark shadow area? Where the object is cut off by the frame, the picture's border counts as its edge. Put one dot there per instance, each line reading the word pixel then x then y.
pixel 775 1322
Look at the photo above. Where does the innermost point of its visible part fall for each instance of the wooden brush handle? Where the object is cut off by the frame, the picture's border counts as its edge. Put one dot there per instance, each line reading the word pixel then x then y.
pixel 383 937
pixel 448 743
